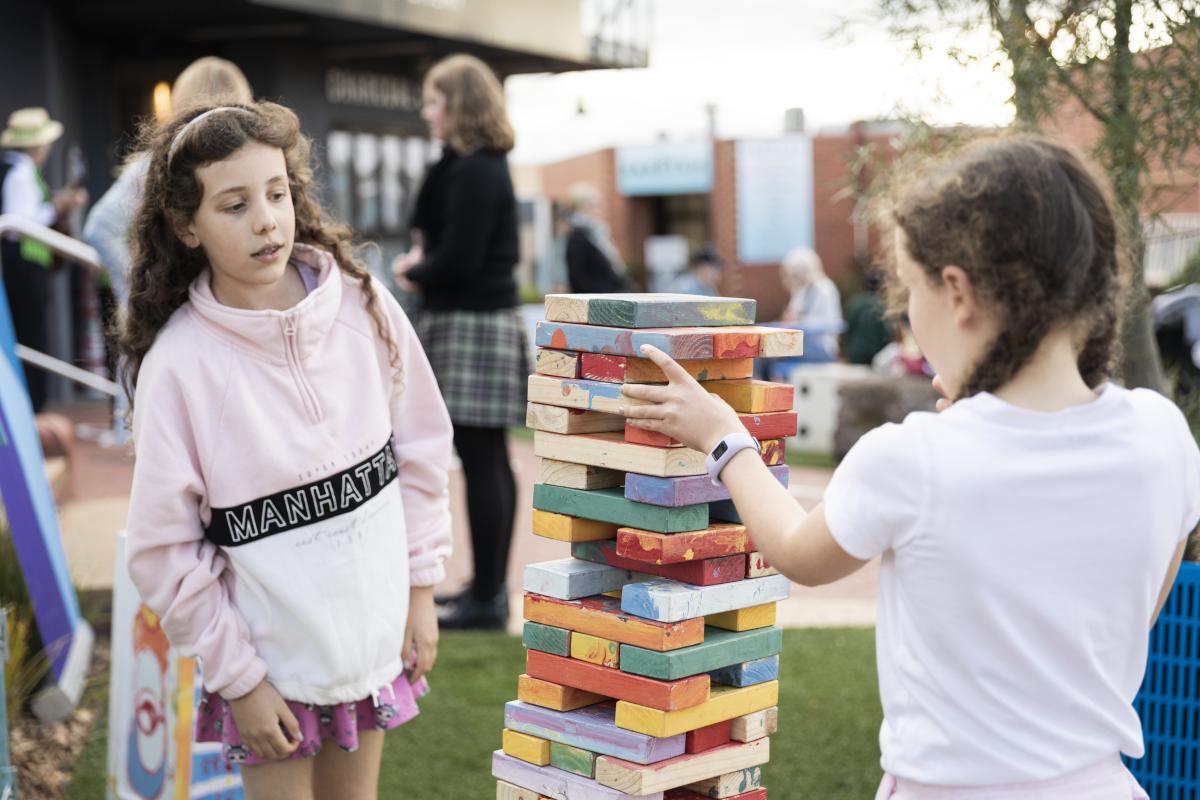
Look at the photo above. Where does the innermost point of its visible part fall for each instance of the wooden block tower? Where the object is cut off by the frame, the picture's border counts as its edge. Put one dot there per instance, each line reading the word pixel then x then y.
pixel 652 657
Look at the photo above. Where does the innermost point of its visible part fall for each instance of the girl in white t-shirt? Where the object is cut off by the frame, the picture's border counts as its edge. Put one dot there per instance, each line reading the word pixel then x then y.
pixel 1030 532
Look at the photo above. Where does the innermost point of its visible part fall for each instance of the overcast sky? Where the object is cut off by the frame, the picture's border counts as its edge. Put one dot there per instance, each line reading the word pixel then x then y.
pixel 752 59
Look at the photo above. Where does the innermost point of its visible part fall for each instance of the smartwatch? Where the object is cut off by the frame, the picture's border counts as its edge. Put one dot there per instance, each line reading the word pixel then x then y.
pixel 725 450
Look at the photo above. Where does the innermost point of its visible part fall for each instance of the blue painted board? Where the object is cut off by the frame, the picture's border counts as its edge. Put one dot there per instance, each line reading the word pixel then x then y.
pixel 684 490
pixel 760 670
pixel 622 341
pixel 665 600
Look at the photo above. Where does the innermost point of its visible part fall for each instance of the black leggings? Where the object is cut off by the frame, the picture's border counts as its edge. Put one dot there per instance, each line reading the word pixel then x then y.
pixel 491 503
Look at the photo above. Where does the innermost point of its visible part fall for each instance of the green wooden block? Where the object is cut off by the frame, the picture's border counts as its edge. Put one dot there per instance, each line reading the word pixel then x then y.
pixel 610 505
pixel 547 638
pixel 573 759
pixel 669 311
pixel 720 648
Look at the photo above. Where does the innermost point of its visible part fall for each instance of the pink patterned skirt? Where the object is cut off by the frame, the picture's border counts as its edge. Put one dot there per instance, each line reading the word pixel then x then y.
pixel 389 708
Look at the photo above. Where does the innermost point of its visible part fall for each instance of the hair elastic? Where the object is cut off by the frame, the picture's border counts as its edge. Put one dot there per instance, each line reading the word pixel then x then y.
pixel 178 138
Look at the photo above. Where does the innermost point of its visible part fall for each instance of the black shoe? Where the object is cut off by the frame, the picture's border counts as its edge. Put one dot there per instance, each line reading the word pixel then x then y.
pixel 451 599
pixel 472 614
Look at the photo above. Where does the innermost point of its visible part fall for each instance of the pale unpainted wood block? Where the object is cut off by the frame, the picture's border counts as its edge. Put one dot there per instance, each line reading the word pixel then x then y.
pixel 527 748
pixel 640 779
pixel 508 791
pixel 730 784
pixel 567 307
pixel 556 419
pixel 573 393
pixel 610 450
pixel 757 566
pixel 579 476
pixel 755 726
pixel 559 363
pixel 565 528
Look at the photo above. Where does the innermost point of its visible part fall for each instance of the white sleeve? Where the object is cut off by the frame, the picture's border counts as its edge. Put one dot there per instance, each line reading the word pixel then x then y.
pixel 875 499
pixel 1191 481
pixel 23 197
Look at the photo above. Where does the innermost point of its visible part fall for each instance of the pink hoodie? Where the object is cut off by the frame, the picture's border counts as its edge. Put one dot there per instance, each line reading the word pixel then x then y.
pixel 290 485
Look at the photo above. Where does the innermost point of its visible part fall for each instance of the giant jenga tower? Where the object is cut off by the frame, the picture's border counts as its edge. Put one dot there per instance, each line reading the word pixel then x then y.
pixel 652 652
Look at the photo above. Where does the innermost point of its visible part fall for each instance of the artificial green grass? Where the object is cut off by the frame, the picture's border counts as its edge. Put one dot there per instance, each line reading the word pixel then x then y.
pixel 827 744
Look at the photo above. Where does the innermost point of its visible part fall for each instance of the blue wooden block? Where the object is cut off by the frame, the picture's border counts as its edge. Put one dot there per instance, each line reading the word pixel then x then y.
pixel 760 670
pixel 666 600
pixel 572 578
pixel 725 511
pixel 685 490
pixel 623 341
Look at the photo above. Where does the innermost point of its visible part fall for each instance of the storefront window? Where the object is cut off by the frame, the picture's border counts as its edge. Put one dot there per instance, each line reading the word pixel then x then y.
pixel 374 179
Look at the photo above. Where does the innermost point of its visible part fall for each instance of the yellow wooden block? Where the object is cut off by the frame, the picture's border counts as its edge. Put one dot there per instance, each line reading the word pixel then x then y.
pixel 724 702
pixel 595 650
pixel 579 476
pixel 743 619
pixel 526 747
pixel 753 396
pixel 508 791
pixel 553 696
pixel 614 593
pixel 571 529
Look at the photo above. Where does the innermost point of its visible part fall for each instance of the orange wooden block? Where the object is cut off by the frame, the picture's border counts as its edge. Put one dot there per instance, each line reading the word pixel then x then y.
pixel 608 682
pixel 636 435
pixel 554 695
pixel 753 396
pixel 602 616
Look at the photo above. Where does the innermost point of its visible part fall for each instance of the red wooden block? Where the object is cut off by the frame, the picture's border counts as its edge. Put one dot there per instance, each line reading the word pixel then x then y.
pixel 705 572
pixel 610 682
pixel 638 435
pixel 719 539
pixel 775 425
pixel 708 737
pixel 773 451
pixel 688 794
pixel 603 367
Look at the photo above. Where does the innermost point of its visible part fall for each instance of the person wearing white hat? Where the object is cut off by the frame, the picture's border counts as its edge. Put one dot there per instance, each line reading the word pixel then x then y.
pixel 28 137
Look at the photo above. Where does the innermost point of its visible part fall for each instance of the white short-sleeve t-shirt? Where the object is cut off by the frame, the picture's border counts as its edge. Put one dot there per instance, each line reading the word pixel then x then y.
pixel 1023 554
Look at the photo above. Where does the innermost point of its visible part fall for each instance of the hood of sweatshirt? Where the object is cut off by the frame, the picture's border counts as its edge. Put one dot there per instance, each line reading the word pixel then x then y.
pixel 267 333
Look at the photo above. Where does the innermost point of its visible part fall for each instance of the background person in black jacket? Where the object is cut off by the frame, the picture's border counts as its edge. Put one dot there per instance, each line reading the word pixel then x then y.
pixel 462 267
pixel 593 263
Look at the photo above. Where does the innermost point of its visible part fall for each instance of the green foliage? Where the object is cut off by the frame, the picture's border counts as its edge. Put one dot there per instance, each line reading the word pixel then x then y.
pixel 27 663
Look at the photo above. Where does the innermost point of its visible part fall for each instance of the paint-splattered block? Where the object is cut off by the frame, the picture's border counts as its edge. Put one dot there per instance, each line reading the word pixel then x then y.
pixel 748 673
pixel 718 539
pixel 724 703
pixel 640 779
pixel 744 619
pixel 731 785
pixel 751 396
pixel 657 310
pixel 683 491
pixel 627 369
pixel 578 476
pixel 666 600
pixel 662 695
pixel 757 566
pixel 591 728
pixel 678 344
pixel 557 419
pixel 754 726
pixel 527 748
pixel 559 363
pixel 573 393
pixel 611 451
pixel 602 616
pixel 705 572
pixel 554 695
pixel 719 649
pixel 573 759
pixel 566 528
pixel 553 782
pixel 610 505
pixel 596 650
pixel 775 342
pixel 546 638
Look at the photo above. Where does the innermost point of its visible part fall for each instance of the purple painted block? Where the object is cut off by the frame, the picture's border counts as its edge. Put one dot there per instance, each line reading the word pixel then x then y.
pixel 556 783
pixel 591 728
pixel 675 492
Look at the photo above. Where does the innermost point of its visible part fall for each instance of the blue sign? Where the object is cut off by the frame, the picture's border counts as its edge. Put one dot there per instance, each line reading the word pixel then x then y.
pixel 774 197
pixel 666 168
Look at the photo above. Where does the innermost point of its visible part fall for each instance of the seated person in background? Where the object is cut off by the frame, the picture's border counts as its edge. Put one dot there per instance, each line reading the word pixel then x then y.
pixel 867 329
pixel 593 263
pixel 703 275
pixel 815 306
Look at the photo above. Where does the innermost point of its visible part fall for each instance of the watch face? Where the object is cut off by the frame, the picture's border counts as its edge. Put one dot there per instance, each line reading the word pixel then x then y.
pixel 719 450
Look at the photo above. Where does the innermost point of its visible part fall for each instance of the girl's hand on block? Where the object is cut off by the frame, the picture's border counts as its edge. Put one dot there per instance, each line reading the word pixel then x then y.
pixel 421 636
pixel 681 409
pixel 265 722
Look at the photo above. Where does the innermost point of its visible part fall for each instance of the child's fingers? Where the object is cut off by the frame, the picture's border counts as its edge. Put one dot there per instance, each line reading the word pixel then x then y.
pixel 646 424
pixel 645 391
pixel 641 412
pixel 672 370
pixel 291 726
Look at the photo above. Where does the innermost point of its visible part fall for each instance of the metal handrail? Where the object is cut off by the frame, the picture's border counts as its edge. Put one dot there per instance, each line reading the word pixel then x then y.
pixel 8 775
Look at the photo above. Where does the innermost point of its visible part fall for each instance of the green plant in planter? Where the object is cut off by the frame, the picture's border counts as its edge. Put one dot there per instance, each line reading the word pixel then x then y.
pixel 27 662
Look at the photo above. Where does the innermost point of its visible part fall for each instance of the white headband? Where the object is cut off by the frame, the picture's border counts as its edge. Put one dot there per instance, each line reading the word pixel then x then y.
pixel 175 142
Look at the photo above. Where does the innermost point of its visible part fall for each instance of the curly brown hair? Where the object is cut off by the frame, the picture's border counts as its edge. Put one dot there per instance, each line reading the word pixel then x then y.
pixel 475 115
pixel 163 268
pixel 1032 226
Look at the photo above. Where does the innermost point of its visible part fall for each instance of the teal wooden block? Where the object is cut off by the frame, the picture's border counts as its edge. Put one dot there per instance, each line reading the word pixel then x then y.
pixel 666 600
pixel 748 673
pixel 547 638
pixel 720 648
pixel 610 505
pixel 669 311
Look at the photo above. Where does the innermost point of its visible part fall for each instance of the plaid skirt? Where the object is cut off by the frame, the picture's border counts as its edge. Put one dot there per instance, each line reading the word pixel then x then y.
pixel 481 362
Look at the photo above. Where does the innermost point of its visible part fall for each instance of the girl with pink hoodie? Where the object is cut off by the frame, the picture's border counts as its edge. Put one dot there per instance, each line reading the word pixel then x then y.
pixel 289 514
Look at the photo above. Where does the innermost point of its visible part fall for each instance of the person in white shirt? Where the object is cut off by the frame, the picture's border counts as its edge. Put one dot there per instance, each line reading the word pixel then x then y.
pixel 815 303
pixel 1031 531
pixel 28 139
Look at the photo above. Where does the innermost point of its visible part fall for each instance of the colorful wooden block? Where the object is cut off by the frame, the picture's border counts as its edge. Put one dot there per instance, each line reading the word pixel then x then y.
pixel 610 505
pixel 774 342
pixel 546 638
pixel 662 695
pixel 527 748
pixel 718 539
pixel 743 619
pixel 578 476
pixel 719 649
pixel 610 450
pixel 748 673
pixel 566 528
pixel 554 695
pixel 553 782
pixel 773 451
pixel 573 759
pixel 640 779
pixel 666 600
pixel 596 650
pixel 704 572
pixel 602 616
pixel 559 363
pixel 687 490
pixel 572 393
pixel 773 425
pixel 750 727
pixel 651 310
pixel 572 578
pixel 636 435
pixel 591 728
pixel 738 341
pixel 687 794
pixel 757 566
pixel 627 369
pixel 732 785
pixel 708 737
pixel 557 419
pixel 691 343
pixel 724 702
pixel 753 396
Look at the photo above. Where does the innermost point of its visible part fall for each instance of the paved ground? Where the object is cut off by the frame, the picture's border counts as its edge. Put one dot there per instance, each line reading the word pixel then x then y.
pixel 98 503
